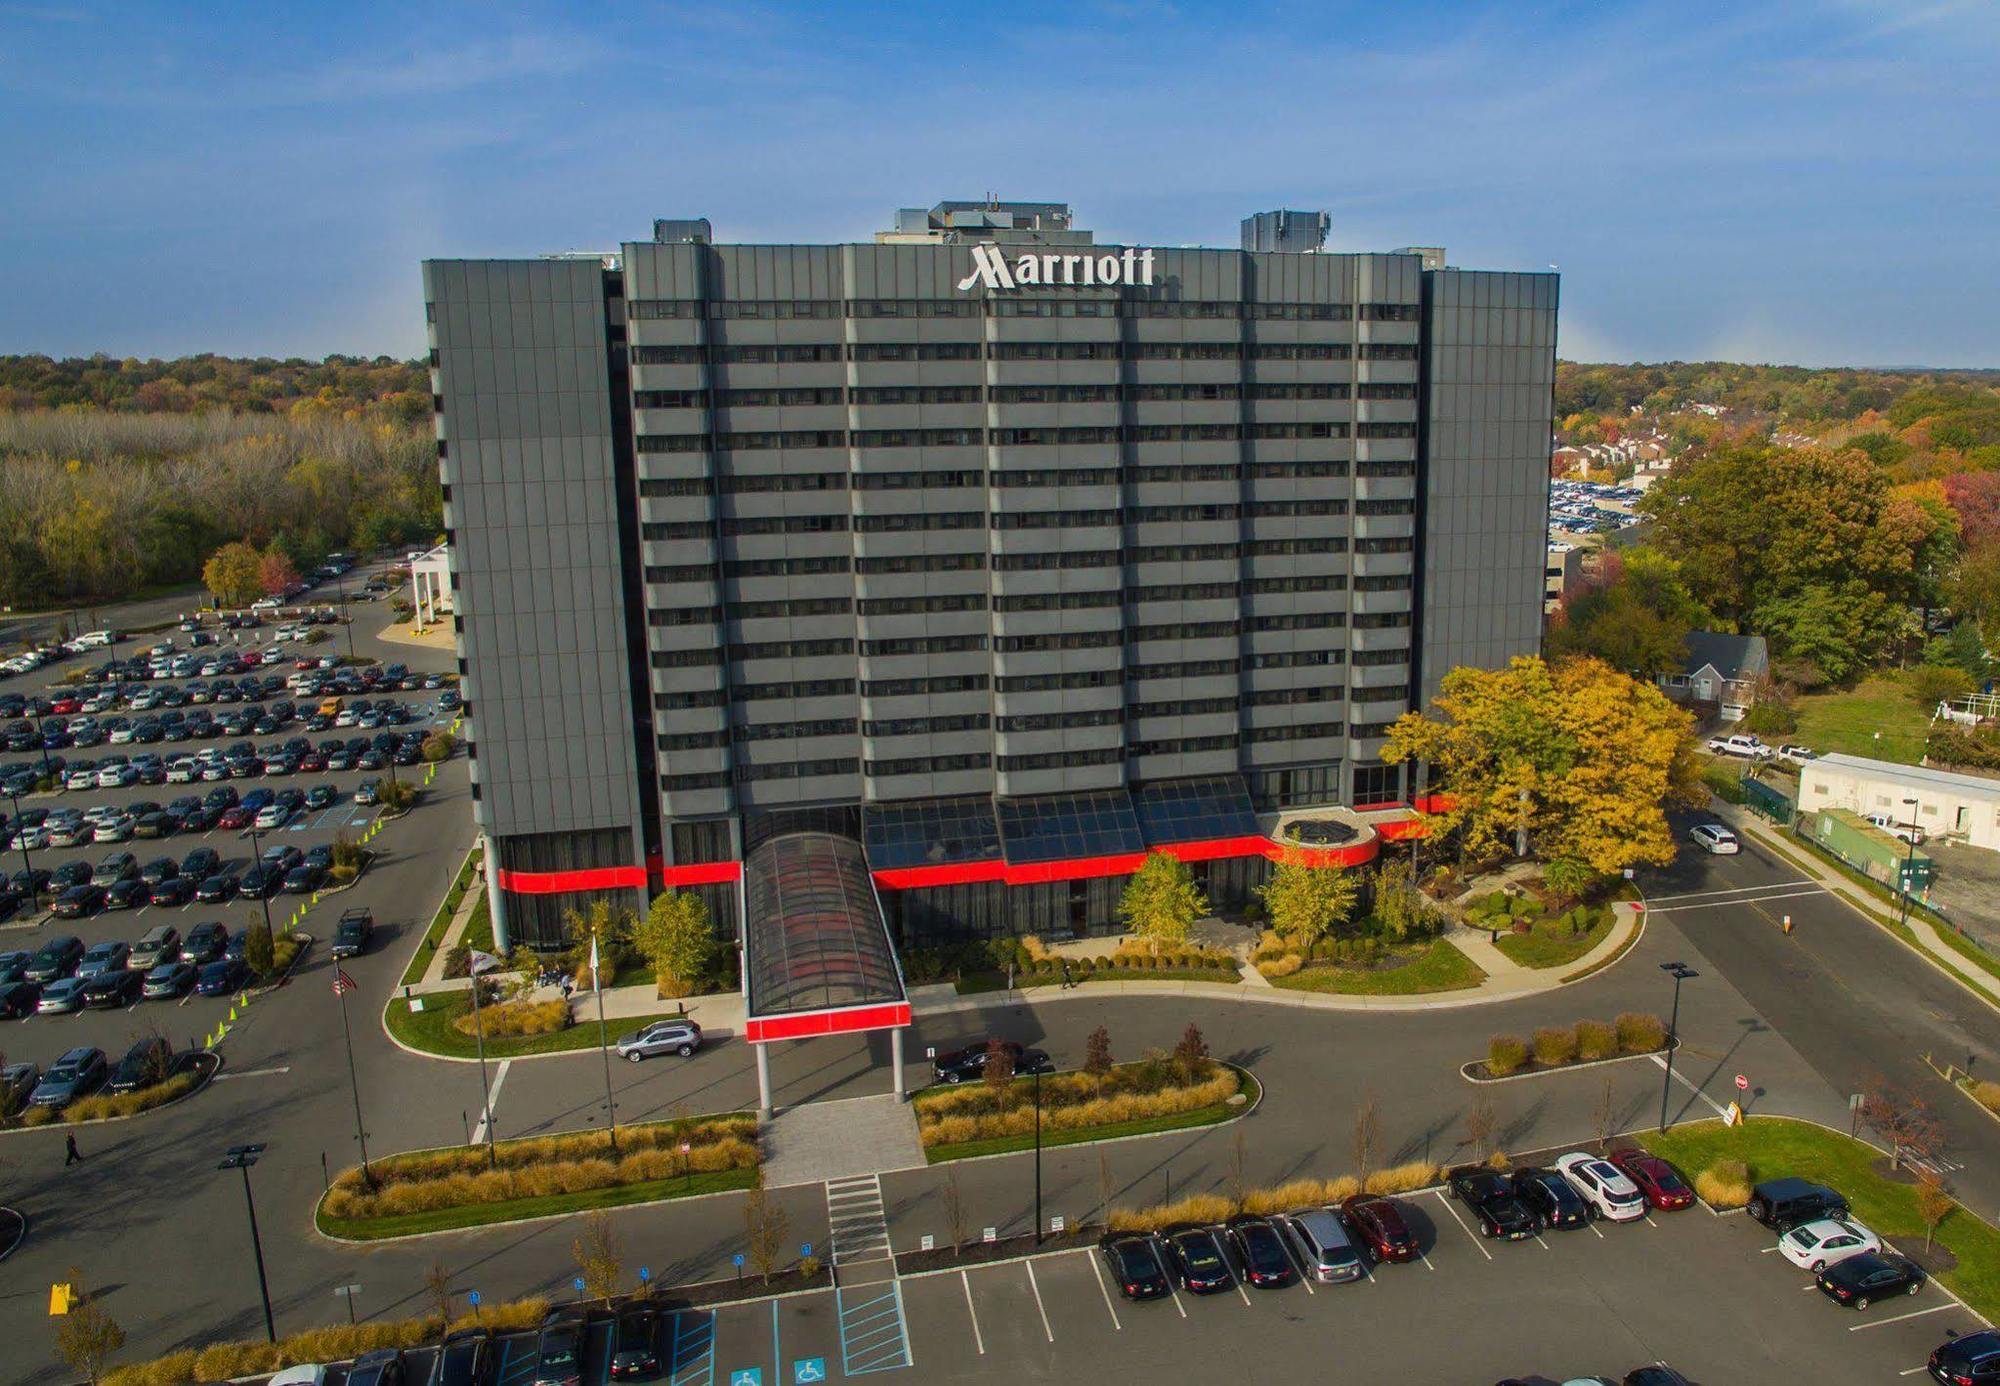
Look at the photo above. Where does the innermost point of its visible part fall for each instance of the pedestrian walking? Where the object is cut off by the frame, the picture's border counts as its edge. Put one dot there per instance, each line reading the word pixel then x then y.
pixel 71 1155
pixel 1066 983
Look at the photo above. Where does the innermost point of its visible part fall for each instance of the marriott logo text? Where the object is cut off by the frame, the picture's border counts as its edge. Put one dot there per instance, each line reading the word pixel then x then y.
pixel 995 271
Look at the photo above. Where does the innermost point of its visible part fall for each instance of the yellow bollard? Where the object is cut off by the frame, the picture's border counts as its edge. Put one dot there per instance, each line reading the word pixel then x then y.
pixel 61 1296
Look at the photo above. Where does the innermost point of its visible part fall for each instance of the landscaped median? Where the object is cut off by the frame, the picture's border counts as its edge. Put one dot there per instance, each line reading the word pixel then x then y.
pixel 1633 1035
pixel 540 1176
pixel 1131 963
pixel 191 1074
pixel 434 935
pixel 1729 1160
pixel 513 1028
pixel 1438 966
pixel 1134 1099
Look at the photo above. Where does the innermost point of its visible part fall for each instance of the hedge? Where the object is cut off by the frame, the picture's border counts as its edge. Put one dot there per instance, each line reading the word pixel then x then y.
pixel 1556 1046
pixel 517 1018
pixel 1070 1102
pixel 1297 1193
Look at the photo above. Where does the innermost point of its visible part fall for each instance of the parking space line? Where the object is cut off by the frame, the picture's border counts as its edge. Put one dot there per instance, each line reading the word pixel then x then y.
pixel 1915 1314
pixel 977 1341
pixel 1649 1221
pixel 1446 1204
pixel 1105 1290
pixel 1539 1242
pixel 1036 1290
pixel 1713 1105
pixel 1592 1225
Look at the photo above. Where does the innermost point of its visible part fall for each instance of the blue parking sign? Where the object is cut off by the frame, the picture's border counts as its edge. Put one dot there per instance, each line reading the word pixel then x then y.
pixel 737 1258
pixel 578 1282
pixel 472 1297
pixel 747 1376
pixel 808 1369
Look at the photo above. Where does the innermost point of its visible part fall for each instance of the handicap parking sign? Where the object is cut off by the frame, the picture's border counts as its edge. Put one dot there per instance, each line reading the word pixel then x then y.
pixel 808 1369
pixel 747 1376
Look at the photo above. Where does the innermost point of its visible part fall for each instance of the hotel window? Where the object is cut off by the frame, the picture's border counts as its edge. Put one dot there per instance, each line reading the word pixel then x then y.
pixel 799 769
pixel 927 726
pixel 910 606
pixel 1058 721
pixel 800 607
pixel 1185 746
pixel 785 567
pixel 1073 558
pixel 1044 683
pixel 916 481
pixel 1385 430
pixel 907 688
pixel 899 523
pixel 1390 312
pixel 806 688
pixel 794 731
pixel 671 442
pixel 1056 601
pixel 783 481
pixel 784 524
pixel 1076 476
pixel 1057 760
pixel 1067 640
pixel 1304 731
pixel 1183 669
pixel 921 563
pixel 929 765
pixel 923 644
pixel 789 649
pixel 690 741
pixel 1388 351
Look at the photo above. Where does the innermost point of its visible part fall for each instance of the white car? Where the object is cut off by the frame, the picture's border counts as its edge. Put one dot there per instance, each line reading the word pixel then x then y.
pixel 117 829
pixel 1797 755
pixel 182 770
pixel 273 816
pixel 1602 1186
pixel 1902 832
pixel 1817 1245
pixel 1715 839
pixel 1741 744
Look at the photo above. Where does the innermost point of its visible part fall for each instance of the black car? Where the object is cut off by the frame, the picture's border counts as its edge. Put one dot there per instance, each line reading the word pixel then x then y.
pixel 466 1359
pixel 239 946
pixel 113 990
pixel 1655 1375
pixel 57 958
pixel 128 894
pixel 219 888
pixel 145 1063
pixel 559 1352
pixel 633 1354
pixel 1859 1281
pixel 78 902
pixel 1967 1359
pixel 351 934
pixel 1260 1250
pixel 19 999
pixel 70 873
pixel 200 864
pixel 1134 1263
pixel 221 978
pixel 1491 1199
pixel 382 1367
pixel 1195 1259
pixel 968 1064
pixel 304 879
pixel 175 890
pixel 1782 1204
pixel 1551 1199
pixel 205 943
pixel 159 869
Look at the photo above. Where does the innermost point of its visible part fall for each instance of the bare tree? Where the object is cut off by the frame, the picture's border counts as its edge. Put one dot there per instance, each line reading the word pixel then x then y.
pixel 954 1208
pixel 999 1068
pixel 600 1261
pixel 1105 1188
pixel 1904 1120
pixel 87 1335
pixel 765 1222
pixel 1097 1056
pixel 1238 1157
pixel 1367 1131
pixel 437 1288
pixel 1480 1123
pixel 1934 1204
pixel 1605 1116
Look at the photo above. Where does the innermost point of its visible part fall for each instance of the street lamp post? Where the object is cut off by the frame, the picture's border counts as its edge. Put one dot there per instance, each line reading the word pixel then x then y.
pixel 1909 860
pixel 263 885
pixel 242 1157
pixel 42 736
pixel 21 836
pixel 485 1092
pixel 1680 972
pixel 1038 1157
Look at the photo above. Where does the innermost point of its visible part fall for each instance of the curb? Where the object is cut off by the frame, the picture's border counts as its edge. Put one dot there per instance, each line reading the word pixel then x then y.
pixel 74 1126
pixel 1465 1070
pixel 501 1225
pixel 720 1032
pixel 20 1231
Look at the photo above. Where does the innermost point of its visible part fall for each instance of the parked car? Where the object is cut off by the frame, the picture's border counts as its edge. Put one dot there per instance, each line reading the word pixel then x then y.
pixel 147 1062
pixel 1782 1204
pixel 1967 1359
pixel 1715 839
pixel 1195 1261
pixel 1379 1222
pixel 1796 754
pixel 128 894
pixel 78 1073
pixel 368 792
pixel 223 977
pixel 1658 1180
pixel 1602 1186
pixel 116 867
pixel 17 1081
pixel 110 991
pixel 205 943
pixel 56 958
pixel 351 934
pixel 218 889
pixel 1816 1245
pixel 382 1367
pixel 968 1063
pixel 1324 1246
pixel 1260 1251
pixel 634 1355
pixel 465 1359
pixel 169 980
pixel 1901 831
pixel 18 1000
pixel 200 863
pixel 1134 1263
pixel 63 996
pixel 1740 744
pixel 173 892
pixel 110 956
pixel 1551 1198
pixel 78 902
pixel 1497 1209
pixel 1860 1280
pixel 559 1352
pixel 680 1037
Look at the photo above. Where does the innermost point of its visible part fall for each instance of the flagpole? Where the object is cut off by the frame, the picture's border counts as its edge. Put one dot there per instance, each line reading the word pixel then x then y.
pixel 603 1047
pixel 341 983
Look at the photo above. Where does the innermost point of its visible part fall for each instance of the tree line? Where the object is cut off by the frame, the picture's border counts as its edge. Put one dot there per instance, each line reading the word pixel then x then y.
pixel 198 384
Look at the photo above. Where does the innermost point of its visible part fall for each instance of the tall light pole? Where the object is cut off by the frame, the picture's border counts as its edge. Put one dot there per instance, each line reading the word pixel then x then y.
pixel 1038 1157
pixel 263 884
pixel 242 1157
pixel 485 1092
pixel 342 984
pixel 604 1047
pixel 21 836
pixel 1680 972
pixel 1909 860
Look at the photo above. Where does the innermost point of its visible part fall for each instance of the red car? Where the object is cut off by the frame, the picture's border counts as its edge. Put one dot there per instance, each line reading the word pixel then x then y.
pixel 236 816
pixel 1659 1181
pixel 1380 1223
pixel 65 705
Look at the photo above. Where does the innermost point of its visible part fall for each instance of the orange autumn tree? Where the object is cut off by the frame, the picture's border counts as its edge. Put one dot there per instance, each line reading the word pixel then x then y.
pixel 1587 758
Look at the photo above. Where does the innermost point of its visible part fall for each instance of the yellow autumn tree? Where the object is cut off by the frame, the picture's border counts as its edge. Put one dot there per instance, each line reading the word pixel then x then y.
pixel 1585 758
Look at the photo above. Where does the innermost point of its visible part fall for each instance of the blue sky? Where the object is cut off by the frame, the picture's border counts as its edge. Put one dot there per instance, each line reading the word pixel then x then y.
pixel 1814 181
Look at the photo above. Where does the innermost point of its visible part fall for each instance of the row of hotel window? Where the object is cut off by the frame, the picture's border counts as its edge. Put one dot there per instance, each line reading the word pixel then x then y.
pixel 822 353
pixel 1029 683
pixel 1025 562
pixel 1019 306
pixel 1015 644
pixel 734 483
pixel 1074 436
pixel 760 397
pixel 733 526
pixel 798 608
pixel 982 760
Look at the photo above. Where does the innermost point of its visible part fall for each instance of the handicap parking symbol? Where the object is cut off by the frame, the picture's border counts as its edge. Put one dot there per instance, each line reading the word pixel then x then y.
pixel 747 1376
pixel 807 1369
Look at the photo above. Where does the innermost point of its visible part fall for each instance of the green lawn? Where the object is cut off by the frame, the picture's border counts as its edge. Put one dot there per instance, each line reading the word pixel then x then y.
pixel 441 920
pixel 1117 1130
pixel 973 982
pixel 1551 944
pixel 485 1214
pixel 1850 721
pixel 479 927
pixel 431 1029
pixel 1775 1146
pixel 1441 967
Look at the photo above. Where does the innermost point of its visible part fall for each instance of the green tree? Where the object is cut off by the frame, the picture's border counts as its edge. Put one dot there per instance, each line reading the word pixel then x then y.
pixel 1161 902
pixel 1308 904
pixel 1974 590
pixel 1582 760
pixel 677 940
pixel 259 950
pixel 601 921
pixel 233 574
pixel 1636 617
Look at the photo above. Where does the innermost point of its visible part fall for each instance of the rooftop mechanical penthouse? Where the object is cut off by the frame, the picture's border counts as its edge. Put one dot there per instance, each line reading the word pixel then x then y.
pixel 1005 555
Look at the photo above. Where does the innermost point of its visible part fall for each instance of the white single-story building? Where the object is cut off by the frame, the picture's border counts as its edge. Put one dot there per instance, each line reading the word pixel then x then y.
pixel 430 584
pixel 1960 808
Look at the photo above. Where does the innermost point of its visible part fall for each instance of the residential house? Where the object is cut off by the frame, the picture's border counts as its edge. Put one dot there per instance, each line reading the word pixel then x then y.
pixel 1722 670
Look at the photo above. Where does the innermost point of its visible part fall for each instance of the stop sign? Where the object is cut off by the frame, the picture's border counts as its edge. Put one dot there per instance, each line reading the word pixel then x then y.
pixel 1742 1083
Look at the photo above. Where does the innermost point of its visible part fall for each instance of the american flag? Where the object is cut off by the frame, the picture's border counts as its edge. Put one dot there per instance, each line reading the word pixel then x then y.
pixel 341 981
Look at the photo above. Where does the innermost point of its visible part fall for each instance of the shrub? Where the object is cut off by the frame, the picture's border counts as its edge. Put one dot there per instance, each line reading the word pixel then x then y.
pixel 518 1018
pixel 38 1116
pixel 1639 1033
pixel 1282 966
pixel 1595 1039
pixel 1987 1094
pixel 1402 1178
pixel 1203 1208
pixel 1724 1184
pixel 101 1105
pixel 1555 1045
pixel 1505 1054
pixel 438 746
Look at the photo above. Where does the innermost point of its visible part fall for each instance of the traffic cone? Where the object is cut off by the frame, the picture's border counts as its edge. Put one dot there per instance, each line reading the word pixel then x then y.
pixel 246 1000
pixel 232 1013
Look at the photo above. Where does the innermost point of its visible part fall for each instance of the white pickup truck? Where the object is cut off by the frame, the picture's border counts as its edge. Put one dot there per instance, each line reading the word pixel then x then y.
pixel 1743 745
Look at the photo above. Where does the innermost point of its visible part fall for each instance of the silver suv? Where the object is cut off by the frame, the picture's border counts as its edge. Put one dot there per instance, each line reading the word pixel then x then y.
pixel 1328 1252
pixel 680 1037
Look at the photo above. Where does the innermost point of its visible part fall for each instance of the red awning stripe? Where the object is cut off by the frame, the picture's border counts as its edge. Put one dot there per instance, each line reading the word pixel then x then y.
pixel 704 873
pixel 809 1024
pixel 561 882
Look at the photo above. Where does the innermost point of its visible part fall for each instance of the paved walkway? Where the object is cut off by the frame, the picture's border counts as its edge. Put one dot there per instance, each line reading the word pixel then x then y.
pixel 1933 947
pixel 455 930
pixel 853 1138
pixel 1478 945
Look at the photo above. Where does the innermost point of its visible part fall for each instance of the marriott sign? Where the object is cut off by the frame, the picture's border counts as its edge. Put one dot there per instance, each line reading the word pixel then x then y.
pixel 996 271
